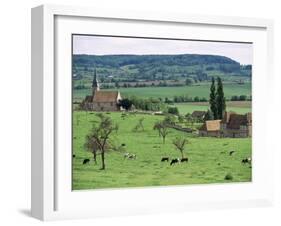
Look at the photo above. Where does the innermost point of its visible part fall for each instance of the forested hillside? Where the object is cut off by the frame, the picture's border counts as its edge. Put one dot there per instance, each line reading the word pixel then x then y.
pixel 136 68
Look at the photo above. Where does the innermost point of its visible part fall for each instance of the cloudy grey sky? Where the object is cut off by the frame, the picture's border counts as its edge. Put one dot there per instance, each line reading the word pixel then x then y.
pixel 98 45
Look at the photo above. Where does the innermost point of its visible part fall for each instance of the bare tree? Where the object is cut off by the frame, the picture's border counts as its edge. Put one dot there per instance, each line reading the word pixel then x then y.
pixel 163 129
pixel 157 126
pixel 180 143
pixel 100 135
pixel 91 146
pixel 139 126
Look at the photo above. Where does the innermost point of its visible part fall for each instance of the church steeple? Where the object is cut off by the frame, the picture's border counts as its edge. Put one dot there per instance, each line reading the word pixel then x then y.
pixel 95 84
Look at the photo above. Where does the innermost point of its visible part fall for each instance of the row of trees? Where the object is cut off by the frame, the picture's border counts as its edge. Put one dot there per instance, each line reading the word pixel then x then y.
pixel 241 98
pixel 217 99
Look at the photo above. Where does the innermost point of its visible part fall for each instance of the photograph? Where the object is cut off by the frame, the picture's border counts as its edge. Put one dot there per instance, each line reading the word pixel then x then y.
pixel 150 112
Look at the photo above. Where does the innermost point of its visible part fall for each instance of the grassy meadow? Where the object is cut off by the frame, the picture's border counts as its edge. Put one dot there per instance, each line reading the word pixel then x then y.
pixel 201 90
pixel 240 107
pixel 209 159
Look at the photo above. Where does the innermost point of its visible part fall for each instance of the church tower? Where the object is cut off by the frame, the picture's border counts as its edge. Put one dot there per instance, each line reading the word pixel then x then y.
pixel 95 84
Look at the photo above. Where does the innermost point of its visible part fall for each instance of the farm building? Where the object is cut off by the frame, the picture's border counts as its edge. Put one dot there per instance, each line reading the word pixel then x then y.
pixel 210 128
pixel 198 115
pixel 101 100
pixel 236 125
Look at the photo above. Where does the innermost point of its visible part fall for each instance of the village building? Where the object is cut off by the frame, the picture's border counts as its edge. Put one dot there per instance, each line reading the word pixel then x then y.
pixel 198 115
pixel 232 125
pixel 210 128
pixel 236 125
pixel 101 100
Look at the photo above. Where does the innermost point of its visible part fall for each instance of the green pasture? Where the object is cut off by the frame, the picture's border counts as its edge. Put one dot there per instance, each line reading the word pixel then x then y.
pixel 201 90
pixel 209 159
pixel 185 108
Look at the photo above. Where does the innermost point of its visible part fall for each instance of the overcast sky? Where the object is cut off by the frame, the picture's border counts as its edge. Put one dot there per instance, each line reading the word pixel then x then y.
pixel 97 45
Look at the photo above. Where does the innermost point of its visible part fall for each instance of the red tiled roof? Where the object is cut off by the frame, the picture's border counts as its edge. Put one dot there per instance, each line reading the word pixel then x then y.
pixel 105 96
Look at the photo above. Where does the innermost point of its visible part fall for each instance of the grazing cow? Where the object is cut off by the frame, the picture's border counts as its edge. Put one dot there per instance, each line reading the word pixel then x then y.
pixel 184 160
pixel 73 155
pixel 174 161
pixel 85 161
pixel 165 159
pixel 130 156
pixel 123 145
pixel 231 152
pixel 247 160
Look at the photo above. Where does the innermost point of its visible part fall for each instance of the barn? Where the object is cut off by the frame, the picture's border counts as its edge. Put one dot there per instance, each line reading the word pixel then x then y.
pixel 210 128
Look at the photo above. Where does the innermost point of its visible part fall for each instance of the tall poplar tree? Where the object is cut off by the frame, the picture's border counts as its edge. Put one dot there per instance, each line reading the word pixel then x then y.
pixel 220 99
pixel 213 101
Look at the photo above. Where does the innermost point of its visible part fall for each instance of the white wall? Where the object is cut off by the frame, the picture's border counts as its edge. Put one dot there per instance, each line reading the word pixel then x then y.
pixel 15 118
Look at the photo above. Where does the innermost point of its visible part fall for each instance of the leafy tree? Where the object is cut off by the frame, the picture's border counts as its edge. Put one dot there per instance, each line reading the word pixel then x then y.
pixel 125 103
pixel 208 115
pixel 234 98
pixel 169 120
pixel 180 143
pixel 173 110
pixel 243 97
pixel 196 99
pixel 181 119
pixel 220 99
pixel 99 136
pixel 213 101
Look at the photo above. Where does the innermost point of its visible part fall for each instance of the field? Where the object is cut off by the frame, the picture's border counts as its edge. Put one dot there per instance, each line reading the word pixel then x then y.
pixel 240 107
pixel 209 159
pixel 201 90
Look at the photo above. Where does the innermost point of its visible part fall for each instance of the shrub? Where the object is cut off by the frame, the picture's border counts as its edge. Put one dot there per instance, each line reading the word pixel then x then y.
pixel 173 110
pixel 228 177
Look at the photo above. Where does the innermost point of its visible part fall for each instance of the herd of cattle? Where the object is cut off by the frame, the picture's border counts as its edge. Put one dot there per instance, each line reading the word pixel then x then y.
pixel 131 156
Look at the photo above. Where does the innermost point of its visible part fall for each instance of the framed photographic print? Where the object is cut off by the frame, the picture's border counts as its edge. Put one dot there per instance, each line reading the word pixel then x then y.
pixel 136 113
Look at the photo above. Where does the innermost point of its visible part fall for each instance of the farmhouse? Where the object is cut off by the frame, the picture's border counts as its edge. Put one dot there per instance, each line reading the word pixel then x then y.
pixel 198 115
pixel 210 128
pixel 101 100
pixel 236 125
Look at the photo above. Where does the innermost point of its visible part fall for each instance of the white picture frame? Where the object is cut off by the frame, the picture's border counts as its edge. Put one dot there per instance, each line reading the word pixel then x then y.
pixel 51 197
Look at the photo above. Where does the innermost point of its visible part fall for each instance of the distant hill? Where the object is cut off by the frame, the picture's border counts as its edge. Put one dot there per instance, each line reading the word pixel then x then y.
pixel 132 68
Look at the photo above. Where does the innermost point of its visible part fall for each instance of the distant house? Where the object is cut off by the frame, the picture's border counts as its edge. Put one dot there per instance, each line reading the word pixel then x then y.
pixel 101 100
pixel 210 128
pixel 198 115
pixel 236 125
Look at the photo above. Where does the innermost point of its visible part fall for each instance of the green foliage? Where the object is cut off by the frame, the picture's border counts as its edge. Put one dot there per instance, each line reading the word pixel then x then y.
pixel 220 99
pixel 213 101
pixel 125 103
pixel 228 176
pixel 120 70
pixel 173 110
pixel 208 115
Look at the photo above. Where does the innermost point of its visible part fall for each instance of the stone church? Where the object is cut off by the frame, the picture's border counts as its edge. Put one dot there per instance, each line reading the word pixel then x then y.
pixel 101 100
